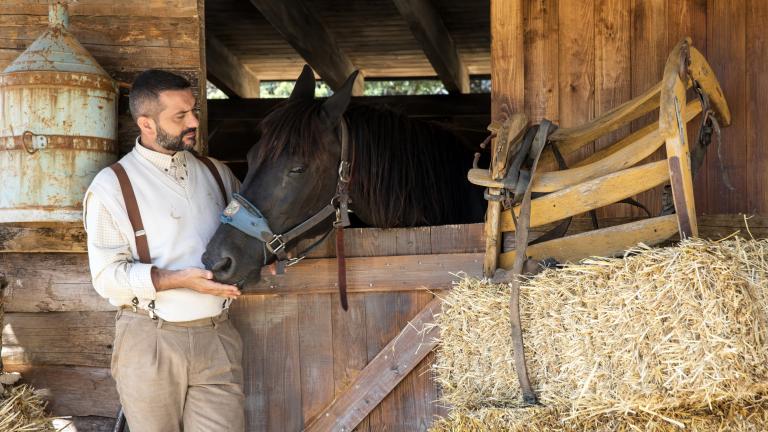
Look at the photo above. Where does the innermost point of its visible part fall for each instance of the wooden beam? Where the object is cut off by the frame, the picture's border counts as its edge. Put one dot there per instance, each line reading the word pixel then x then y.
pixel 438 45
pixel 382 374
pixel 302 28
pixel 226 71
pixel 370 274
pixel 611 241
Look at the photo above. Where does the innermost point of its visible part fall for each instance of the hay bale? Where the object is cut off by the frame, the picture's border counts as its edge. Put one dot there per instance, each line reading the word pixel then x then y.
pixel 679 329
pixel 23 410
pixel 725 418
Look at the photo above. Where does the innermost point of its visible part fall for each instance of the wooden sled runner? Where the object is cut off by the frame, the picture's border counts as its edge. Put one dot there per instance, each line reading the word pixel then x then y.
pixel 612 174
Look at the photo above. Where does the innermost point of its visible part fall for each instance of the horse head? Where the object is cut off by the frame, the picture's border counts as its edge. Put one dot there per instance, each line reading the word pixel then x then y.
pixel 292 175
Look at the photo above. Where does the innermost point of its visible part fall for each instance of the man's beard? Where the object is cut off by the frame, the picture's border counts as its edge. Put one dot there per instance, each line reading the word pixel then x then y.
pixel 175 143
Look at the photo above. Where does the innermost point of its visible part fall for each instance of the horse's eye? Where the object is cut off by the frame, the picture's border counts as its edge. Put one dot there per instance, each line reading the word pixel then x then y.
pixel 298 170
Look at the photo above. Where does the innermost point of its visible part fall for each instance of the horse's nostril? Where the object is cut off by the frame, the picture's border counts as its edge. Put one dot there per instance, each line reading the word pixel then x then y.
pixel 222 265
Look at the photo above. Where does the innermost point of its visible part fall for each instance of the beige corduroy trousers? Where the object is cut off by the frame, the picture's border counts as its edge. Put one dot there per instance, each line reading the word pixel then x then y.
pixel 175 377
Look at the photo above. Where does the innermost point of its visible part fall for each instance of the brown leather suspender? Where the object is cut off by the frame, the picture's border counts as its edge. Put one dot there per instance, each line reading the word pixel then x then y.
pixel 212 168
pixel 134 215
pixel 132 206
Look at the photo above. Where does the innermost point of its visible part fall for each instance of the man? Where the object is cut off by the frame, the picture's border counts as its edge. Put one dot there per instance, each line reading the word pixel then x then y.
pixel 176 357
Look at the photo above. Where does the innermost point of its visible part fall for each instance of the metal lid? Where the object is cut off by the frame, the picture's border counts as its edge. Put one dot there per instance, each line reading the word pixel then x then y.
pixel 56 50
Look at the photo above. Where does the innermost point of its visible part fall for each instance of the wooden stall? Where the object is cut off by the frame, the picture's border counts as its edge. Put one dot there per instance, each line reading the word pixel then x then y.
pixel 310 364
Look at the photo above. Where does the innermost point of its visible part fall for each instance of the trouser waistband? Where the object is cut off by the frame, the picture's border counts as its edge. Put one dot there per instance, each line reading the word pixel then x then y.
pixel 202 322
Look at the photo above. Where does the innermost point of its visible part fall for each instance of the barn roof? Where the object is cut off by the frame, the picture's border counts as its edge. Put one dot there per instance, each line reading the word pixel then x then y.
pixel 383 38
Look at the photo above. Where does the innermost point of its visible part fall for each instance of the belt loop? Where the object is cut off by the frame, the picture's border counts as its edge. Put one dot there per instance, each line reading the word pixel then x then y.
pixel 118 314
pixel 215 322
pixel 160 322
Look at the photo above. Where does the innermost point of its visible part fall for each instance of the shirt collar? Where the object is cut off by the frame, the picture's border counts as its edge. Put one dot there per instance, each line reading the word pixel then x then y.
pixel 161 160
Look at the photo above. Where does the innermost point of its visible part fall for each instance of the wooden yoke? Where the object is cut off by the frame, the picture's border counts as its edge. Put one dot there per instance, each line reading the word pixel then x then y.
pixel 611 174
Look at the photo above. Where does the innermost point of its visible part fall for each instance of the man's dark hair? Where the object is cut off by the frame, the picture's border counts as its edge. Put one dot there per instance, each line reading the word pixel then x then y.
pixel 145 92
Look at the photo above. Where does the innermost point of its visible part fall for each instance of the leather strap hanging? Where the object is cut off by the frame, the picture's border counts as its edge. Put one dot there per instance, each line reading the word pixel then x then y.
pixel 522 223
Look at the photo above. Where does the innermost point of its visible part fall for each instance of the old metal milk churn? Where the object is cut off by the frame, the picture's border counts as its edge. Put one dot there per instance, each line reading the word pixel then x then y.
pixel 58 126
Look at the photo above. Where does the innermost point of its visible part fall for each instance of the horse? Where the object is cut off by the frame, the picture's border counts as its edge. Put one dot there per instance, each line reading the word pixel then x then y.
pixel 401 172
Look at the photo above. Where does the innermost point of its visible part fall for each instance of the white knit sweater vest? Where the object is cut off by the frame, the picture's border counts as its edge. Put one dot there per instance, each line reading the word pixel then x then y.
pixel 178 224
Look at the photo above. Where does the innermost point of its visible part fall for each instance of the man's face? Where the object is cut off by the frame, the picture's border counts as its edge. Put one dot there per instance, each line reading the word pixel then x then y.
pixel 177 123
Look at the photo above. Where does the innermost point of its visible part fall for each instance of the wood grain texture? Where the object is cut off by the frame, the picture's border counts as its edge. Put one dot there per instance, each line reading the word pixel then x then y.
pixel 392 362
pixel 757 107
pixel 507 58
pixel 73 390
pixel 613 84
pixel 49 282
pixel 249 318
pixel 316 351
pixel 576 68
pixel 541 60
pixel 58 339
pixel 649 51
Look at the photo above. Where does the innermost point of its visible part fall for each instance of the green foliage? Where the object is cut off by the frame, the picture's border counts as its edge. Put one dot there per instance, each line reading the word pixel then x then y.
pixel 213 92
pixel 283 89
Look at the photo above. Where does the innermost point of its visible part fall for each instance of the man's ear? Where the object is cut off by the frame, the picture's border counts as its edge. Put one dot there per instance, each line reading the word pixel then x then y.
pixel 147 125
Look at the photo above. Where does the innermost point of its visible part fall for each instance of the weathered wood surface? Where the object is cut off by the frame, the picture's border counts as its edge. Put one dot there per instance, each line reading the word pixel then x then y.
pixel 73 390
pixel 71 237
pixel 58 339
pixel 382 374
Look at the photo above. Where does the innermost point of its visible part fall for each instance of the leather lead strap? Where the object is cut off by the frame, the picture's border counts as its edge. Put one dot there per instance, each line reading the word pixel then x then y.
pixel 142 247
pixel 212 168
pixel 342 268
pixel 521 242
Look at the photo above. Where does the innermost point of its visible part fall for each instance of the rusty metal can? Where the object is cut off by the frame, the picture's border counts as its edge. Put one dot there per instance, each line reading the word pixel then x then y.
pixel 58 126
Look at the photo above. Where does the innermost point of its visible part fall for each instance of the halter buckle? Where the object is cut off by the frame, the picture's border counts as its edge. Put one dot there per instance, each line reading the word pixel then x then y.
pixel 280 244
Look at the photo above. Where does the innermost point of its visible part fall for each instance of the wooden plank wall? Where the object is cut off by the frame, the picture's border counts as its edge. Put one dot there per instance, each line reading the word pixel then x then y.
pixel 583 58
pixel 124 37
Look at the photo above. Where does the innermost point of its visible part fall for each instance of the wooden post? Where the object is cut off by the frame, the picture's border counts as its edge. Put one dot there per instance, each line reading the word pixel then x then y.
pixel 507 94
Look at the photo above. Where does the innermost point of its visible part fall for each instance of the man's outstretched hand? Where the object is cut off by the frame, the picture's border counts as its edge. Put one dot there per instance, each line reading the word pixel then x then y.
pixel 197 279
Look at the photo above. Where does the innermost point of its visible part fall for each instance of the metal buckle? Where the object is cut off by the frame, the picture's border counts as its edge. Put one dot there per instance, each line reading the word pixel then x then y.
pixel 135 304
pixel 293 261
pixel 276 239
pixel 151 308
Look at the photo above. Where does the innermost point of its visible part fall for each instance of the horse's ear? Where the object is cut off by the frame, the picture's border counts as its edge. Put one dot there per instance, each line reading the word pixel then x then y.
pixel 305 85
pixel 335 106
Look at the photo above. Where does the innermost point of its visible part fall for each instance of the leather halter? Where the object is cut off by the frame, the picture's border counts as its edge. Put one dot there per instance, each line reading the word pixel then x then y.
pixel 245 217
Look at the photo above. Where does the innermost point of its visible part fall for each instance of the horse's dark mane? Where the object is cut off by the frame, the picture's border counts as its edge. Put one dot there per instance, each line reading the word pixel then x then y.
pixel 405 172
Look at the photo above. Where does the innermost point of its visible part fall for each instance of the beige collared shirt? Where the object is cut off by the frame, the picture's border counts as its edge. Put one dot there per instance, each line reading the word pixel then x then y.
pixel 115 274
